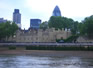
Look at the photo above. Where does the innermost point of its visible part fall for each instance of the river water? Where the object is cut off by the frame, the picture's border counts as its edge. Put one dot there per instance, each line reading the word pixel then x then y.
pixel 28 61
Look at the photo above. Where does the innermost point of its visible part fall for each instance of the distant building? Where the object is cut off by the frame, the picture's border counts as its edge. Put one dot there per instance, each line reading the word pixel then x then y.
pixel 35 23
pixel 56 11
pixel 2 20
pixel 17 17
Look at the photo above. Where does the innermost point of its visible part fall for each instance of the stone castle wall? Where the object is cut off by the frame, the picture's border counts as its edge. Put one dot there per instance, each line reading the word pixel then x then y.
pixel 40 35
pixel 83 39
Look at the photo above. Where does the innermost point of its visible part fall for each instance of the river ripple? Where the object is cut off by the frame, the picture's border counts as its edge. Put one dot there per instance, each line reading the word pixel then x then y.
pixel 28 61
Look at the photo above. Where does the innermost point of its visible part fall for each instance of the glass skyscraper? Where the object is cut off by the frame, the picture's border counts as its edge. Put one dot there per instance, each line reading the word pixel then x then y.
pixel 56 11
pixel 35 23
pixel 17 17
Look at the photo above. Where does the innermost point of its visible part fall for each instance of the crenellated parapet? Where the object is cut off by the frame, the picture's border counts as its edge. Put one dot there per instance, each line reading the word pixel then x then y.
pixel 40 35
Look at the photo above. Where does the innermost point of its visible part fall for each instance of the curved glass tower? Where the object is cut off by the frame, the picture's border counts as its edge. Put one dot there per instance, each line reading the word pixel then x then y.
pixel 56 11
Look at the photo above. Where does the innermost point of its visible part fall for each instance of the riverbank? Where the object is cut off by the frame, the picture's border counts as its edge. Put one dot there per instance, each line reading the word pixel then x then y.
pixel 84 54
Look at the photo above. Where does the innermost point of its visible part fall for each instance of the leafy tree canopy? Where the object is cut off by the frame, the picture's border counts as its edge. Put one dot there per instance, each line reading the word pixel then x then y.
pixel 44 25
pixel 7 29
pixel 63 22
pixel 87 26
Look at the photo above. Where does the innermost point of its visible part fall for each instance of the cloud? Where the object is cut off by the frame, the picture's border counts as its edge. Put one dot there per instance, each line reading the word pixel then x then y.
pixel 77 8
pixel 69 8
pixel 5 10
pixel 42 8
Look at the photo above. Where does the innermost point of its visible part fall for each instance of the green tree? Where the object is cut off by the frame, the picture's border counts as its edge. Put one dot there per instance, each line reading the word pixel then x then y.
pixel 7 29
pixel 63 22
pixel 55 22
pixel 87 27
pixel 60 22
pixel 44 25
pixel 74 27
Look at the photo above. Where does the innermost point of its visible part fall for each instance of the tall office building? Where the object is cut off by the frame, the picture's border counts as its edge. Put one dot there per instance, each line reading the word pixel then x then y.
pixel 56 11
pixel 17 17
pixel 35 23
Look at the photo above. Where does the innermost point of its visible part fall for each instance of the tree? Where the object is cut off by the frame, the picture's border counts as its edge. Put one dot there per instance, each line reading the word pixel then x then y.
pixel 55 22
pixel 7 29
pixel 75 28
pixel 44 25
pixel 87 27
pixel 60 22
pixel 63 22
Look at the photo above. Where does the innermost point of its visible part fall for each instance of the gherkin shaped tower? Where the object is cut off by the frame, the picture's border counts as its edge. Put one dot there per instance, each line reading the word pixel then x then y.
pixel 56 11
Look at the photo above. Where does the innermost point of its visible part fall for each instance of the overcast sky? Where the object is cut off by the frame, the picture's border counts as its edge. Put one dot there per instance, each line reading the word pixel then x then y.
pixel 42 9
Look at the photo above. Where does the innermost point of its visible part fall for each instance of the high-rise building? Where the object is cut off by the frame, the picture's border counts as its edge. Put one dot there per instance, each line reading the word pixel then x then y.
pixel 56 11
pixel 2 20
pixel 17 17
pixel 35 23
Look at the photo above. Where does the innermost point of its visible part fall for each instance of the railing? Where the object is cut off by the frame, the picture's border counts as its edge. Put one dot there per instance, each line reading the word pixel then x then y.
pixel 47 44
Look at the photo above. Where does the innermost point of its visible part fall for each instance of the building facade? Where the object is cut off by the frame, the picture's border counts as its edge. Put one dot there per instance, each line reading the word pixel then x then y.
pixel 40 35
pixel 35 23
pixel 83 39
pixel 56 11
pixel 2 20
pixel 17 17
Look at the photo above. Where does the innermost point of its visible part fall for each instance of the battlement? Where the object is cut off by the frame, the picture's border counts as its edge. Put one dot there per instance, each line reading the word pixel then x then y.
pixel 46 30
pixel 40 35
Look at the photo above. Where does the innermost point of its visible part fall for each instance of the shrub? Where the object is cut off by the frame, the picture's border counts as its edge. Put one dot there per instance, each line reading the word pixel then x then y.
pixel 12 47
